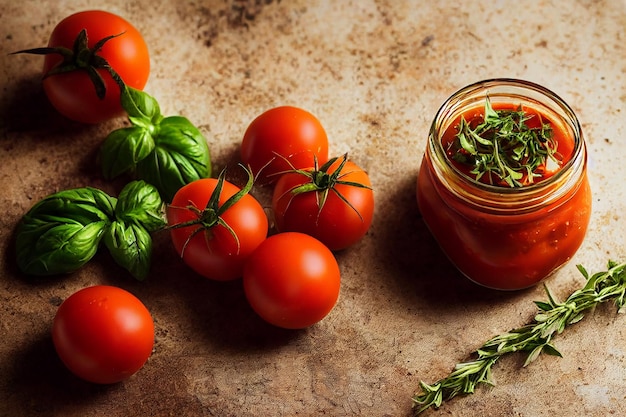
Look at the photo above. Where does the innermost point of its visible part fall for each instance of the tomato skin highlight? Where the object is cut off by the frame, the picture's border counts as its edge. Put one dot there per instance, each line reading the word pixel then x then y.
pixel 103 334
pixel 215 253
pixel 280 134
pixel 73 94
pixel 337 225
pixel 292 280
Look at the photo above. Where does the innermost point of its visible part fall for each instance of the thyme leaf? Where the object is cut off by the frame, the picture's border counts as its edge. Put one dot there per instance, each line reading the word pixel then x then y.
pixel 534 338
pixel 503 148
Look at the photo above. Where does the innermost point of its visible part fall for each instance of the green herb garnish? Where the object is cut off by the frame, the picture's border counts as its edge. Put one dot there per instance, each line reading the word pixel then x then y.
pixel 503 148
pixel 533 338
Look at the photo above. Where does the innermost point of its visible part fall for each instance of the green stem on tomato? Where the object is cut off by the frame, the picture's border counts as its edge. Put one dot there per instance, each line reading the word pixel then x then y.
pixel 211 215
pixel 81 58
pixel 322 182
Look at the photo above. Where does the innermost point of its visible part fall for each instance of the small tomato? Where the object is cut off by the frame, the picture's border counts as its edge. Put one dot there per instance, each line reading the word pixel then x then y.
pixel 215 226
pixel 334 203
pixel 103 334
pixel 85 52
pixel 283 138
pixel 292 280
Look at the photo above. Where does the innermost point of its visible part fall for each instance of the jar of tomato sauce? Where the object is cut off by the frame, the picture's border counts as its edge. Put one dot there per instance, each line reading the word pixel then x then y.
pixel 505 227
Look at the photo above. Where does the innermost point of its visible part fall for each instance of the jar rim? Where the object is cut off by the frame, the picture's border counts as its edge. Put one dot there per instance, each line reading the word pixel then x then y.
pixel 509 197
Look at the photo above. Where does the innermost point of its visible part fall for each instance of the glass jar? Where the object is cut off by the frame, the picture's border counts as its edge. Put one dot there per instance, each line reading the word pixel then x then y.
pixel 503 237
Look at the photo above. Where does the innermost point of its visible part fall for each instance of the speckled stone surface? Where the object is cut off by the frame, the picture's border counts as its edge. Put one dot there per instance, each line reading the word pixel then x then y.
pixel 374 72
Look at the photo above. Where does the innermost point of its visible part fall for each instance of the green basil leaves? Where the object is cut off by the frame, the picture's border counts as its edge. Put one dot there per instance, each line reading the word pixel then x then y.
pixel 168 152
pixel 62 232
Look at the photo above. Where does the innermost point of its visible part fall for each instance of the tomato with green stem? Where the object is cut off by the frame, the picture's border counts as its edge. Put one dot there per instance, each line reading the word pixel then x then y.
pixel 103 334
pixel 280 138
pixel 215 226
pixel 90 54
pixel 292 280
pixel 334 203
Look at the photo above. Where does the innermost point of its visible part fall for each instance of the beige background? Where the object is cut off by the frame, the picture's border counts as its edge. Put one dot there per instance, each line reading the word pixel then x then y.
pixel 374 72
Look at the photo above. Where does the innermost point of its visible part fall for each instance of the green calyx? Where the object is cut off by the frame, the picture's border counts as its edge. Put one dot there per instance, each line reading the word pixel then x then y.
pixel 211 215
pixel 81 58
pixel 323 182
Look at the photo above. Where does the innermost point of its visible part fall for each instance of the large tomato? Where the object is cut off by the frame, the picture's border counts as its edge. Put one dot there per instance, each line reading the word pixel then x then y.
pixel 103 334
pixel 283 138
pixel 73 93
pixel 335 204
pixel 292 280
pixel 213 243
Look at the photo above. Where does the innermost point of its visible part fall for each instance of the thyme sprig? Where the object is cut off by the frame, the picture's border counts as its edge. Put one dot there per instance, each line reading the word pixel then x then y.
pixel 534 338
pixel 504 148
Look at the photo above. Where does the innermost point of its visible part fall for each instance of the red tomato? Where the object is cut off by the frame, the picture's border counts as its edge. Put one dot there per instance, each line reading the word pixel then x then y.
pixel 213 251
pixel 103 334
pixel 339 222
pixel 279 135
pixel 73 93
pixel 292 280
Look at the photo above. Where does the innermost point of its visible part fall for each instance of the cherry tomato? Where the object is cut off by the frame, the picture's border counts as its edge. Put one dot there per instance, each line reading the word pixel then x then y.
pixel 331 207
pixel 217 248
pixel 73 93
pixel 103 334
pixel 292 280
pixel 279 135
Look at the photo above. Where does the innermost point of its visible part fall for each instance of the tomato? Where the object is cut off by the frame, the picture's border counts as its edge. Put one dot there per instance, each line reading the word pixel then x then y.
pixel 217 248
pixel 73 93
pixel 292 280
pixel 103 334
pixel 337 207
pixel 282 136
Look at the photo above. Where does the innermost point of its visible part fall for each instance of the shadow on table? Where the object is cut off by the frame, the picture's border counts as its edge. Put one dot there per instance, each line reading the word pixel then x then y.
pixel 420 271
pixel 38 383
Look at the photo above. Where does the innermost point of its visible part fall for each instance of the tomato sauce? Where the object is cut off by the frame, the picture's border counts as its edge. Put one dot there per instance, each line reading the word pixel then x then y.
pixel 501 237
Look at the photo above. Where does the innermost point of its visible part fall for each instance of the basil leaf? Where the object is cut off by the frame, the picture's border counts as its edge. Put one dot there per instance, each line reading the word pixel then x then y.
pixel 130 246
pixel 62 248
pixel 141 203
pixel 123 148
pixel 166 152
pixel 61 233
pixel 143 110
pixel 180 157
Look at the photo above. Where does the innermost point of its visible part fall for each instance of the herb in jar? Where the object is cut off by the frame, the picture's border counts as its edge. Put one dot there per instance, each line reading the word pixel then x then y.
pixel 510 147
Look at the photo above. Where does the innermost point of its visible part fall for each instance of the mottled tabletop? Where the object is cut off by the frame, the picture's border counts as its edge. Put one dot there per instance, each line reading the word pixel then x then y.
pixel 374 72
